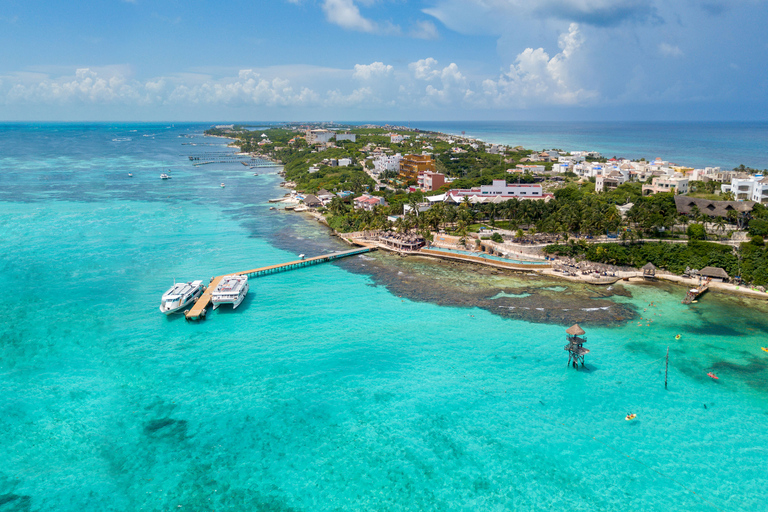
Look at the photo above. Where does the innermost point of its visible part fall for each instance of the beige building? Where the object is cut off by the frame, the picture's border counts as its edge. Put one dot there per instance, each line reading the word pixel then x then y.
pixel 676 185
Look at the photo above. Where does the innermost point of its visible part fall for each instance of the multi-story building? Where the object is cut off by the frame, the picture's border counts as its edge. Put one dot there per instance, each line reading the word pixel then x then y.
pixel 754 188
pixel 387 163
pixel 368 202
pixel 429 181
pixel 412 165
pixel 499 189
pixel 611 180
pixel 318 136
pixel 674 184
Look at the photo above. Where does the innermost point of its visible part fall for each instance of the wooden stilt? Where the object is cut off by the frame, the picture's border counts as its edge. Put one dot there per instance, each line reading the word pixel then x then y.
pixel 666 369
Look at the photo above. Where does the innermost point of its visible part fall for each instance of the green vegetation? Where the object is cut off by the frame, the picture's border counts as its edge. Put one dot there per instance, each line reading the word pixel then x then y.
pixel 576 210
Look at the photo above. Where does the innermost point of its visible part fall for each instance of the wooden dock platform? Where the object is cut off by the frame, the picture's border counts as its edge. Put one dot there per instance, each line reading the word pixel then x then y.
pixel 694 293
pixel 202 303
pixel 200 306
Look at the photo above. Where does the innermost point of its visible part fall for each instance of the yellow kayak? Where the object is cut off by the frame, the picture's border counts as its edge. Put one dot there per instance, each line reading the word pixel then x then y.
pixel 630 417
pixel 765 349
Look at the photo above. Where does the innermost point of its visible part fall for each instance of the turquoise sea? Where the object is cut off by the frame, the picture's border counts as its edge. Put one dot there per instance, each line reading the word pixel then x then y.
pixel 325 390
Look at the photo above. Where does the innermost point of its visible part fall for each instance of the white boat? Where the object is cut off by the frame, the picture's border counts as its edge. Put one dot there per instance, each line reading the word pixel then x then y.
pixel 164 176
pixel 180 296
pixel 231 290
pixel 222 185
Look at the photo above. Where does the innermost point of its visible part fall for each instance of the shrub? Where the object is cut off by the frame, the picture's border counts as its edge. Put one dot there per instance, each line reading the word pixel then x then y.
pixel 697 232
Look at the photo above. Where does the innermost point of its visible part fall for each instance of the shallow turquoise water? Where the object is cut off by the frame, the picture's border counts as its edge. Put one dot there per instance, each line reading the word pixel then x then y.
pixel 489 256
pixel 323 391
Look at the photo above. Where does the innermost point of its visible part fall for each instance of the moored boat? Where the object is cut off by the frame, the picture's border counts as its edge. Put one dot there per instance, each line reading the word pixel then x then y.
pixel 180 295
pixel 231 290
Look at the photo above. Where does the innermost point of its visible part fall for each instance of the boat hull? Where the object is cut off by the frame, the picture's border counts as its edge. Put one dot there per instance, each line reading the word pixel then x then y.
pixel 235 301
pixel 167 310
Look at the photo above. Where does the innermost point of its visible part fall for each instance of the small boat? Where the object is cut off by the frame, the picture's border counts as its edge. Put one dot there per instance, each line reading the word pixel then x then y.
pixel 180 295
pixel 164 176
pixel 272 208
pixel 677 337
pixel 630 417
pixel 130 175
pixel 222 185
pixel 764 349
pixel 713 376
pixel 255 174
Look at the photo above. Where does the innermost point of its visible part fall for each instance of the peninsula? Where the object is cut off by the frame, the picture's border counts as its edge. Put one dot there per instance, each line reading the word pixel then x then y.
pixel 577 214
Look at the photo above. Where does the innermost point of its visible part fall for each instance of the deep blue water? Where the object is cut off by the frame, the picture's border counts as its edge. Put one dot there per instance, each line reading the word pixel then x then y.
pixel 725 145
pixel 323 390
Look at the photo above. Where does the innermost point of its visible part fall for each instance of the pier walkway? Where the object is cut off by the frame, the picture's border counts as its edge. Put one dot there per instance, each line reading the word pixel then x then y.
pixel 228 158
pixel 200 308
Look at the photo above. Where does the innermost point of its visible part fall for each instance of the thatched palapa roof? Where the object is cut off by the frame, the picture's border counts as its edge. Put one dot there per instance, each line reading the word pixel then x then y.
pixel 649 266
pixel 575 330
pixel 685 204
pixel 714 272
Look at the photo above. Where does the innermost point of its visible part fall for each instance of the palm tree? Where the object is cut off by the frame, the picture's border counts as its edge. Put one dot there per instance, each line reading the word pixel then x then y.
pixel 695 213
pixel 461 231
pixel 720 223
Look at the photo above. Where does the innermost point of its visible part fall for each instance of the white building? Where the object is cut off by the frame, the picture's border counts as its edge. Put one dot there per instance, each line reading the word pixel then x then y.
pixel 499 189
pixel 368 202
pixel 387 163
pixel 754 188
pixel 345 162
pixel 394 138
pixel 318 136
pixel 346 136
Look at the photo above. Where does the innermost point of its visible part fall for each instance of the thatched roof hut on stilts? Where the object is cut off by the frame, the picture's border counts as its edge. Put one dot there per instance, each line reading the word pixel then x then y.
pixel 576 340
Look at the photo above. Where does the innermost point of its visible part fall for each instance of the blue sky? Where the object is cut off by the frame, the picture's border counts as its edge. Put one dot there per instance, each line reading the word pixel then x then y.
pixel 383 60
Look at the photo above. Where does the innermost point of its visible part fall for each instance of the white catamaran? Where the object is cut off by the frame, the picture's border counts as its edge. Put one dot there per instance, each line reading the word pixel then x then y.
pixel 231 290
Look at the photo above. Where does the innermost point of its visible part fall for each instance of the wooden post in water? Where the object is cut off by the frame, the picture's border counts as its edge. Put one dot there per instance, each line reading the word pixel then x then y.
pixel 666 369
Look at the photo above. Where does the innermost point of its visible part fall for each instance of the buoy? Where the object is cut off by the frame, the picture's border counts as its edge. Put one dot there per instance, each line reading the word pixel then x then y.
pixel 630 417
pixel 677 337
pixel 712 375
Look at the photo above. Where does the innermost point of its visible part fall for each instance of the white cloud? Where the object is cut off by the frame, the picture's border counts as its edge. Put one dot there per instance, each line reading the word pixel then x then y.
pixel 424 69
pixel 373 70
pixel 85 86
pixel 669 50
pixel 249 88
pixel 345 14
pixel 424 30
pixel 536 78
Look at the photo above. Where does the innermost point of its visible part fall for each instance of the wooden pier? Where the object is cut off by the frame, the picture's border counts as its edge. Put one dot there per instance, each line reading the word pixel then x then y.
pixel 694 293
pixel 228 158
pixel 199 310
